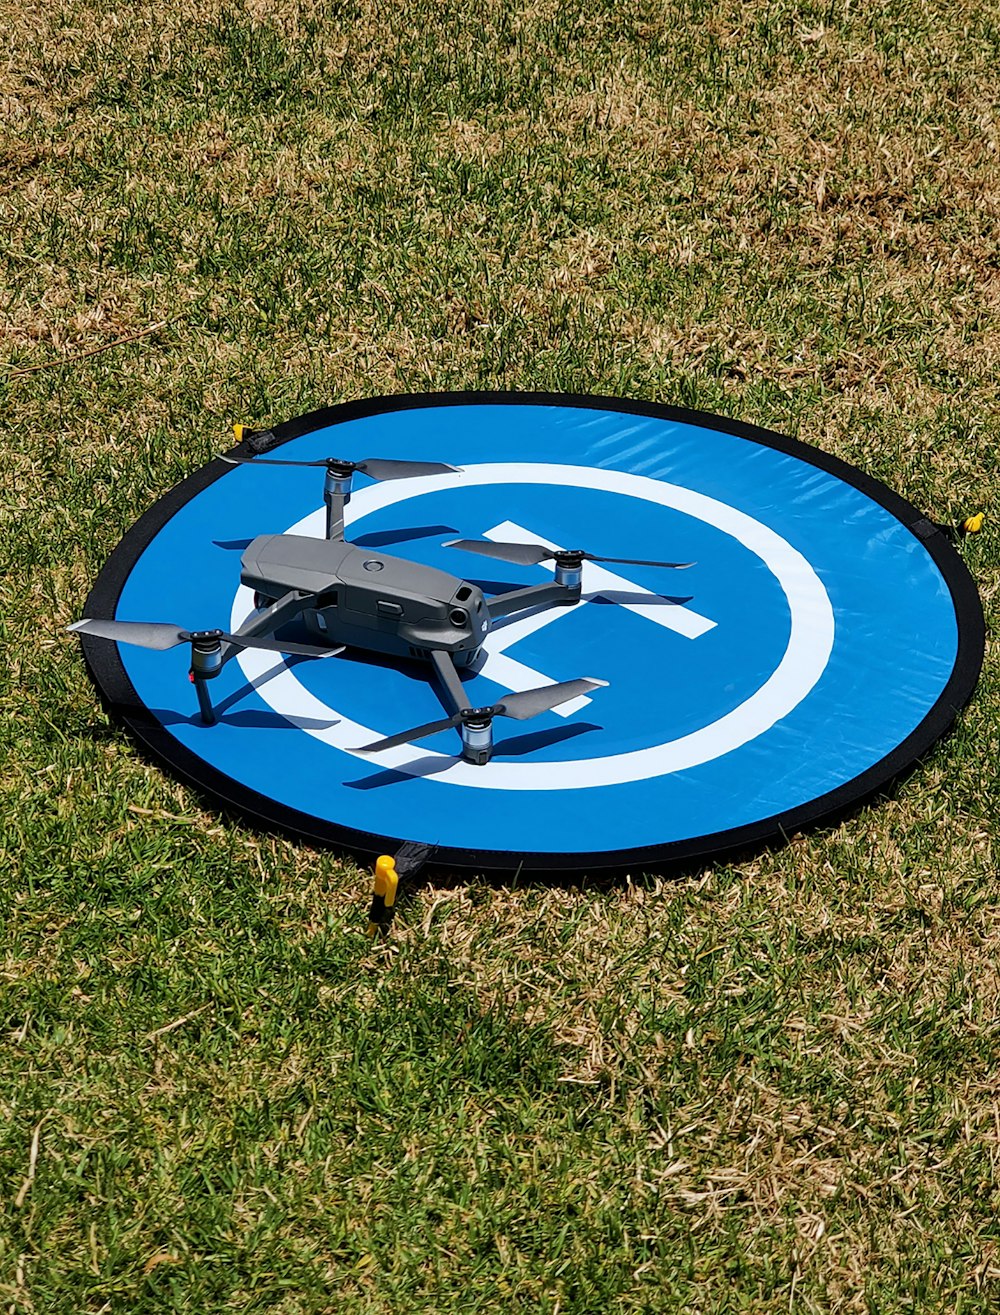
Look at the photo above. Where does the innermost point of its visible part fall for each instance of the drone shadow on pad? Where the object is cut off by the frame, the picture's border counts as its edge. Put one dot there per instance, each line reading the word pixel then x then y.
pixel 289 664
pixel 251 718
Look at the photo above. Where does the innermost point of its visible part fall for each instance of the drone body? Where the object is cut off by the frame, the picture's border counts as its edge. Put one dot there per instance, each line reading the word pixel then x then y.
pixel 369 600
pixel 351 597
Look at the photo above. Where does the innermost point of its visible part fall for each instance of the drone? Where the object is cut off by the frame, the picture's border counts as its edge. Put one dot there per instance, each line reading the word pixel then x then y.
pixel 350 597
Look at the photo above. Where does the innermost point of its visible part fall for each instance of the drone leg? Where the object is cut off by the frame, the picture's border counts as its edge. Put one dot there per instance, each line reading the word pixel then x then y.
pixel 206 663
pixel 336 495
pixel 204 702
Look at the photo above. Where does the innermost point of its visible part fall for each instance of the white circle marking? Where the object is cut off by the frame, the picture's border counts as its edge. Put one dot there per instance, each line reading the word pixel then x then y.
pixel 810 642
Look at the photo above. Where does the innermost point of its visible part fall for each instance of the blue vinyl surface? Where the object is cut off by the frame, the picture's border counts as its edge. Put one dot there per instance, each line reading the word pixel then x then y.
pixel 818 635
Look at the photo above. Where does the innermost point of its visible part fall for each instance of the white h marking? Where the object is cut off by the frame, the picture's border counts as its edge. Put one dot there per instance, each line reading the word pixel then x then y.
pixel 600 583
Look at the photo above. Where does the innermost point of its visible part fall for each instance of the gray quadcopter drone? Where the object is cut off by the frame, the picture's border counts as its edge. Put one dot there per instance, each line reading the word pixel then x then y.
pixel 350 597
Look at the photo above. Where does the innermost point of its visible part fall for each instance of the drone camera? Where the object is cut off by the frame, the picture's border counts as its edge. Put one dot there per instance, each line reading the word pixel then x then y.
pixel 458 617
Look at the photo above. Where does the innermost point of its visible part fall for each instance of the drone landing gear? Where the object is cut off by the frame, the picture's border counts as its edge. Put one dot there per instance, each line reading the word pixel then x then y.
pixel 206 663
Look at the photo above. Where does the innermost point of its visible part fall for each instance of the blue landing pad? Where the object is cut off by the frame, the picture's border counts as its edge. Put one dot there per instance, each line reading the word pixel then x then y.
pixel 826 635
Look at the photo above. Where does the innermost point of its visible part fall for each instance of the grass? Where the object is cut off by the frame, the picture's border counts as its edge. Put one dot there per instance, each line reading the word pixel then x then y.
pixel 767 1086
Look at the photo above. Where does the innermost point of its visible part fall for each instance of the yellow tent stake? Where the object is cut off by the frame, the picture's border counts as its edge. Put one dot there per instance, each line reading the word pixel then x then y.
pixel 384 894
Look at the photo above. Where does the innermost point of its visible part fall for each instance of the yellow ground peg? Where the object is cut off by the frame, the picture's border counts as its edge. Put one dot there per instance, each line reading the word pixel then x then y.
pixel 973 524
pixel 238 431
pixel 384 895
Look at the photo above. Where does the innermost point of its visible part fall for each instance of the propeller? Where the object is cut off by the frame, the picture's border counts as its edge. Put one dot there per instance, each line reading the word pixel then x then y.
pixel 373 467
pixel 530 554
pixel 160 635
pixel 521 707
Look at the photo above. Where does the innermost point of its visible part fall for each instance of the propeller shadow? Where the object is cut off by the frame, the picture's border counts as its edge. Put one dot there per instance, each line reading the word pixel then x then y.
pixel 623 597
pixel 520 745
pixel 382 538
pixel 247 719
pixel 429 766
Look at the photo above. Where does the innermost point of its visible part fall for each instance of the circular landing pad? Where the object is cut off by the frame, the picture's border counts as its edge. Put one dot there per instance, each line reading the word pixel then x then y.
pixel 826 635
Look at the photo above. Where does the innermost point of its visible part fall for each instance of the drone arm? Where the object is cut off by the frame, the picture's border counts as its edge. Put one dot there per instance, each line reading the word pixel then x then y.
pixel 444 667
pixel 265 623
pixel 533 596
pixel 476 732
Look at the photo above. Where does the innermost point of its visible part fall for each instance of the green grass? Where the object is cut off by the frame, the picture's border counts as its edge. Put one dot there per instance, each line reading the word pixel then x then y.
pixel 766 1087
